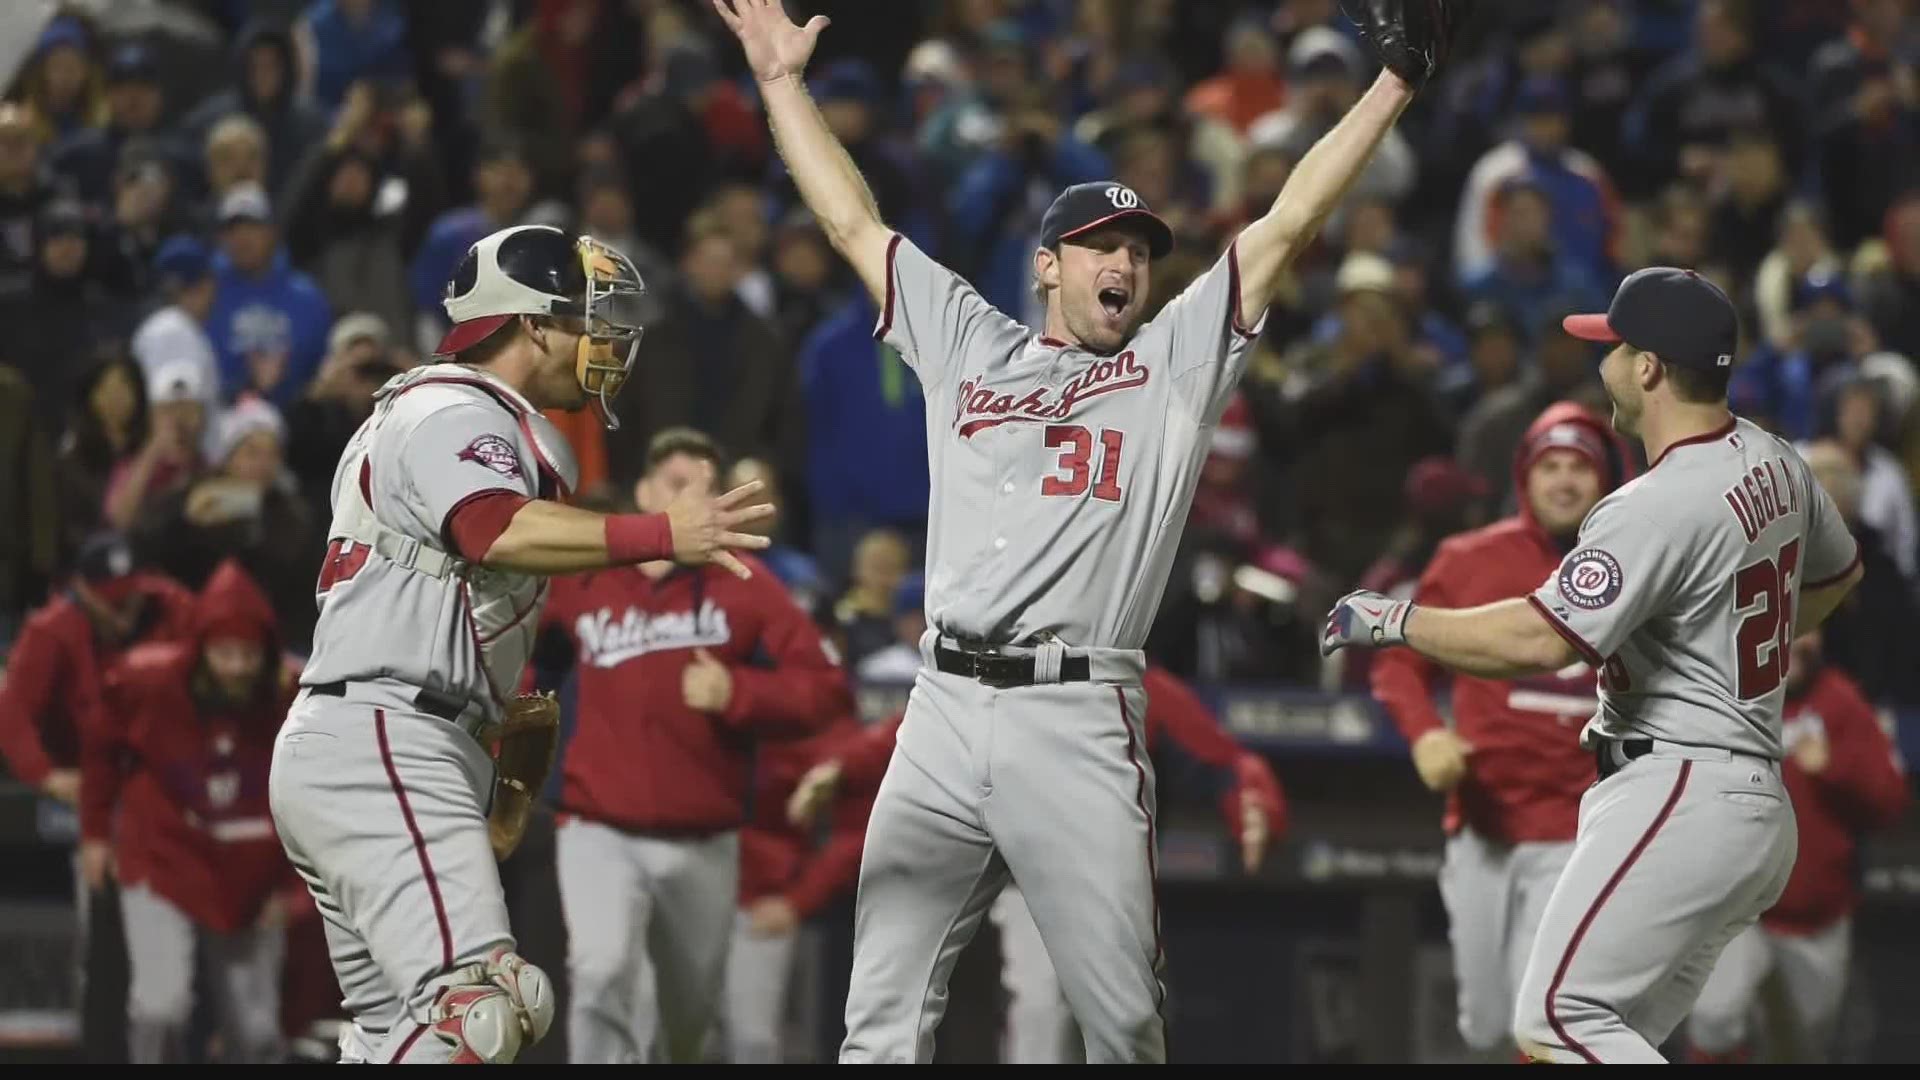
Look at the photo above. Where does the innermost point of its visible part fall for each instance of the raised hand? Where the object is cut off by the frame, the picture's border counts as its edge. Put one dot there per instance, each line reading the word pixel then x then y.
pixel 775 47
pixel 1367 619
pixel 704 526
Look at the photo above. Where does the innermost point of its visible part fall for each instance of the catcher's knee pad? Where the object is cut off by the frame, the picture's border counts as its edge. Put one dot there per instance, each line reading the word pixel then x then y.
pixel 491 1009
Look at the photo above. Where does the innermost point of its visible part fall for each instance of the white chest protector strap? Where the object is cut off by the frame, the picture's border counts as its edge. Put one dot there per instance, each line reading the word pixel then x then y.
pixel 354 520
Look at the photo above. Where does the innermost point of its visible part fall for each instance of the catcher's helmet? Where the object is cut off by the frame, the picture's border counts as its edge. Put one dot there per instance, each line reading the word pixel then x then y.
pixel 541 270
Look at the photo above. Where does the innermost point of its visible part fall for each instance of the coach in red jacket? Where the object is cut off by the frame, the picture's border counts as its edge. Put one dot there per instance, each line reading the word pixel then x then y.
pixel 174 778
pixel 1845 778
pixel 681 672
pixel 53 673
pixel 1040 1028
pixel 1511 765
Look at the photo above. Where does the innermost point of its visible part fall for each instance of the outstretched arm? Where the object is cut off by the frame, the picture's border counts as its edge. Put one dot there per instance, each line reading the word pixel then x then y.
pixel 1504 640
pixel 831 185
pixel 1316 187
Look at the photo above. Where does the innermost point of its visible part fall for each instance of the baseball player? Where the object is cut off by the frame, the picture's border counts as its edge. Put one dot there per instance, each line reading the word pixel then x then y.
pixel 1511 767
pixel 1063 461
pixel 1685 589
pixel 448 519
pixel 681 672
pixel 174 779
pixel 1846 778
pixel 1040 1026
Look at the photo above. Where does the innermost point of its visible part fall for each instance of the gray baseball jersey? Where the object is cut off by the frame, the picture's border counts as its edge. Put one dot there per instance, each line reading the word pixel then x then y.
pixel 394 603
pixel 1684 585
pixel 1063 476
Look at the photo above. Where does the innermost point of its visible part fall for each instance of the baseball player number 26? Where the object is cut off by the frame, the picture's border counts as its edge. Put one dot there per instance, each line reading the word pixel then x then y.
pixel 1764 637
pixel 1074 459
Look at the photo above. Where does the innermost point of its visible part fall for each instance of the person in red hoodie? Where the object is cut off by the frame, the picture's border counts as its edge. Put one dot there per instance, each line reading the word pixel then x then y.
pixel 1845 778
pixel 1511 764
pixel 1040 1028
pixel 174 785
pixel 681 671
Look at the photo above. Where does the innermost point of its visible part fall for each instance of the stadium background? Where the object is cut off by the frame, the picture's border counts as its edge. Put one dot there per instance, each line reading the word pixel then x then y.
pixel 1775 146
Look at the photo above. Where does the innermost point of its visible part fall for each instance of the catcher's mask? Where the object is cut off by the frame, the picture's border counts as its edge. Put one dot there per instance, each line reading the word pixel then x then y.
pixel 540 270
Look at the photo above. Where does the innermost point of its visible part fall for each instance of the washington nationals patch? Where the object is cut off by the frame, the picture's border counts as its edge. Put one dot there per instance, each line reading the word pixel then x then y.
pixel 495 453
pixel 1590 579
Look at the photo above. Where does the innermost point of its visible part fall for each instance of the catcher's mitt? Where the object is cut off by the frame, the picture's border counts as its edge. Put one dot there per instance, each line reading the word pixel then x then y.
pixel 522 746
pixel 1410 37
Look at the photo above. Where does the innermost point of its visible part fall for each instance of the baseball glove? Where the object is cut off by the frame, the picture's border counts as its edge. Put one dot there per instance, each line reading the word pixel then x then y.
pixel 522 746
pixel 1410 37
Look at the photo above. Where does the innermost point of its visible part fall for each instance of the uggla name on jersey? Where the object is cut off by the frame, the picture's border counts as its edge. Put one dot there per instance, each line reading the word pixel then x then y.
pixel 1122 372
pixel 605 642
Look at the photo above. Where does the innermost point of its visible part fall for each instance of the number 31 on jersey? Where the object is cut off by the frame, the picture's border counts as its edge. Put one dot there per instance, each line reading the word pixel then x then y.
pixel 1076 446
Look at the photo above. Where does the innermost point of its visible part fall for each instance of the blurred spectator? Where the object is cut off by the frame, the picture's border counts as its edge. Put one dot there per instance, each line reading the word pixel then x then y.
pixel 1868 635
pixel 1250 86
pixel 1802 252
pixel 63 84
pixel 1194 159
pixel 149 204
pixel 503 189
pixel 995 207
pixel 796 569
pixel 1442 499
pixel 866 450
pixel 806 277
pixel 1584 214
pixel 537 87
pixel 236 156
pixel 899 660
pixel 1751 196
pixel 865 612
pixel 1784 386
pixel 105 423
pixel 606 214
pixel 1564 369
pixel 1223 515
pixel 175 806
pixel 1843 65
pixel 1869 147
pixel 710 364
pixel 246 507
pixel 136 108
pixel 177 330
pixel 73 309
pixel 849 96
pixel 663 119
pixel 741 212
pixel 1885 499
pixel 1891 294
pixel 342 223
pixel 24 189
pixel 340 397
pixel 1324 73
pixel 263 90
pixel 1681 119
pixel 269 321
pixel 31 545
pixel 1609 67
pixel 1529 268
pixel 171 457
pixel 1678 228
pixel 340 42
pixel 1495 350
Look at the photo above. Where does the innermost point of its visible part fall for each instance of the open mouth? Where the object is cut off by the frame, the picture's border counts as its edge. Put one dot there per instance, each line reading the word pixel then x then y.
pixel 1114 300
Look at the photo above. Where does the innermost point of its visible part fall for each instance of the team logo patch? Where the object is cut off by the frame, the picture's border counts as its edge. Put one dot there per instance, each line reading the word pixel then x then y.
pixel 1590 579
pixel 495 453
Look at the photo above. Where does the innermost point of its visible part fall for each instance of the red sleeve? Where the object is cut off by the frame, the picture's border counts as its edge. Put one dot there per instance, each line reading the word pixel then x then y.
pixel 102 741
pixel 476 521
pixel 1402 679
pixel 25 690
pixel 864 758
pixel 1253 776
pixel 1863 779
pixel 1173 707
pixel 805 690
pixel 835 867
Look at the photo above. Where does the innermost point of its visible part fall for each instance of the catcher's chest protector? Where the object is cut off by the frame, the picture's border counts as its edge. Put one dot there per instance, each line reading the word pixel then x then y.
pixel 501 608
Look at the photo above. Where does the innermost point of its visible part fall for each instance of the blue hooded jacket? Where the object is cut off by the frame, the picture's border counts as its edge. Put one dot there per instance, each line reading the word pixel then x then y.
pixel 866 421
pixel 280 309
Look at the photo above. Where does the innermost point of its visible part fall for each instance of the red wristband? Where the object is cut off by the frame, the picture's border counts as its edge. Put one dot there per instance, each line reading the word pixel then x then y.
pixel 638 538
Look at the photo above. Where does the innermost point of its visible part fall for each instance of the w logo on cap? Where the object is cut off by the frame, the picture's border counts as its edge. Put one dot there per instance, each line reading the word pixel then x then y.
pixel 1122 197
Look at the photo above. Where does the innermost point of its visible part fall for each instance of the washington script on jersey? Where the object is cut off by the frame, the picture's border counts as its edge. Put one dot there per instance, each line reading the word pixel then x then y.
pixel 1123 372
pixel 606 643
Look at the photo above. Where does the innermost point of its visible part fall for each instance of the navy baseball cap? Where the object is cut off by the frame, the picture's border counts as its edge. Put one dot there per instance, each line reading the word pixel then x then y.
pixel 1676 314
pixel 1085 207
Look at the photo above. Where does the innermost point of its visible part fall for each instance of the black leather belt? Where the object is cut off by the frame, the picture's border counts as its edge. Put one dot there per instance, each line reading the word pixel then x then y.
pixel 1603 753
pixel 1000 671
pixel 441 705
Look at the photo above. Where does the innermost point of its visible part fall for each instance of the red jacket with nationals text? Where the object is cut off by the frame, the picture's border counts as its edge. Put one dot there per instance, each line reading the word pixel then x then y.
pixel 1863 787
pixel 777 859
pixel 1527 771
pixel 179 780
pixel 640 759
pixel 52 681
pixel 1173 711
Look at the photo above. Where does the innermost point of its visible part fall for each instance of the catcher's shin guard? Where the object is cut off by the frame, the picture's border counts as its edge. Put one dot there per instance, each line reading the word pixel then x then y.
pixel 493 1009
